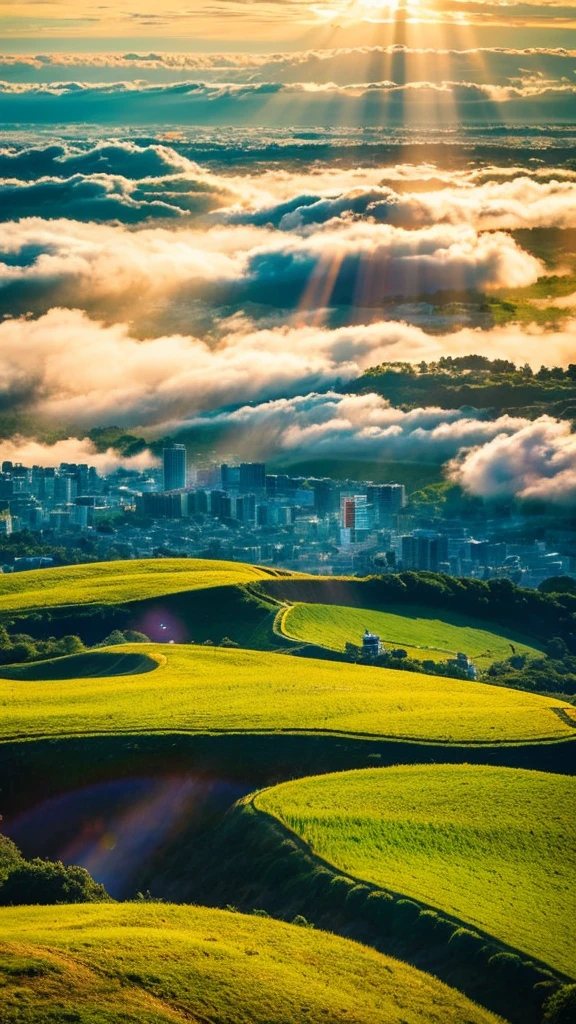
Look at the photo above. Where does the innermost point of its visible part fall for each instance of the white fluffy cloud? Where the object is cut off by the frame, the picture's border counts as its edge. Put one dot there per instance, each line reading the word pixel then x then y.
pixel 70 368
pixel 505 457
pixel 495 205
pixel 106 268
pixel 73 449
pixel 536 462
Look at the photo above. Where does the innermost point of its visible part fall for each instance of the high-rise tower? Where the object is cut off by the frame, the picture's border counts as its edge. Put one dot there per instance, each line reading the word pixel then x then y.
pixel 174 467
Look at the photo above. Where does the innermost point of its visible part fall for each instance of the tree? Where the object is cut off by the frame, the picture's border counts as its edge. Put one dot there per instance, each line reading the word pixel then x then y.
pixel 42 882
pixel 558 585
pixel 113 639
pixel 556 649
pixel 561 1007
pixel 70 645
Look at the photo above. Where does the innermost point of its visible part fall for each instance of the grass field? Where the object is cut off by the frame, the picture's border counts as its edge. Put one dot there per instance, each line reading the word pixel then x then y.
pixel 494 847
pixel 163 964
pixel 199 689
pixel 114 582
pixel 416 630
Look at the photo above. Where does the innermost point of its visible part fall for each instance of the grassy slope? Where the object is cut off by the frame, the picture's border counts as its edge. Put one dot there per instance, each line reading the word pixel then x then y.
pixel 119 581
pixel 130 964
pixel 416 630
pixel 202 689
pixel 492 846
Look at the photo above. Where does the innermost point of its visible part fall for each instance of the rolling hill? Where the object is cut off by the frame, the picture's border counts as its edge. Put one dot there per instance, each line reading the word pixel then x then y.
pixel 164 964
pixel 494 847
pixel 422 632
pixel 205 690
pixel 112 582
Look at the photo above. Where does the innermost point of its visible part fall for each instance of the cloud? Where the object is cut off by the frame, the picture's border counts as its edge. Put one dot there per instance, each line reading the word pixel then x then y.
pixel 501 458
pixel 104 197
pixel 518 203
pixel 536 462
pixel 65 159
pixel 277 105
pixel 67 368
pixel 343 66
pixel 33 453
pixel 105 268
pixel 357 426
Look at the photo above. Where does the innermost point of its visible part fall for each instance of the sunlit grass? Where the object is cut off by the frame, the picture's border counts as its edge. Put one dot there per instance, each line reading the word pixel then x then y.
pixel 203 690
pixel 111 582
pixel 417 631
pixel 162 964
pixel 492 846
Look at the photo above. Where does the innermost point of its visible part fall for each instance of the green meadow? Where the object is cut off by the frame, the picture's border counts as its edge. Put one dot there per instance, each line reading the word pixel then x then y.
pixel 417 630
pixel 494 847
pixel 114 582
pixel 165 964
pixel 192 689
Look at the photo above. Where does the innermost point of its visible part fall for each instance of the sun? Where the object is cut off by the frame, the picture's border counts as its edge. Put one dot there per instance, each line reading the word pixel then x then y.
pixel 377 10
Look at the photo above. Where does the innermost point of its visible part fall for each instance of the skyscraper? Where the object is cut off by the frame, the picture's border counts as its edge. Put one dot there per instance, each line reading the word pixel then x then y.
pixel 174 459
pixel 252 477
pixel 388 500
pixel 356 518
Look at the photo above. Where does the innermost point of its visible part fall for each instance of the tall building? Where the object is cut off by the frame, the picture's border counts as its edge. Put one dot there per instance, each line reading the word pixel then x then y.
pixel 325 496
pixel 174 459
pixel 220 505
pixel 197 503
pixel 252 477
pixel 424 552
pixel 230 477
pixel 355 512
pixel 388 500
pixel 169 505
pixel 356 518
pixel 246 508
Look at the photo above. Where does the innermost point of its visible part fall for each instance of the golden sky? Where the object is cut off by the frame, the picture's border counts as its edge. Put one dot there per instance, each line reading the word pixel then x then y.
pixel 275 24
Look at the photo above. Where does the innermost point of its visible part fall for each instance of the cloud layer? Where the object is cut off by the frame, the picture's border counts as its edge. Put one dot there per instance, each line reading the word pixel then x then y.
pixel 344 66
pixel 529 100
pixel 79 450
pixel 68 368
pixel 104 268
pixel 507 457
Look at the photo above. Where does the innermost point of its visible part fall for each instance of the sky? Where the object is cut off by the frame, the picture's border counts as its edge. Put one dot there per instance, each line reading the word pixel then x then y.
pixel 215 215
pixel 268 25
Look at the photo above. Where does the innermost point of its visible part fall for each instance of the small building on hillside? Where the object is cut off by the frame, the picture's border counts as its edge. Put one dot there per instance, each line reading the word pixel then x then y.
pixel 463 661
pixel 372 645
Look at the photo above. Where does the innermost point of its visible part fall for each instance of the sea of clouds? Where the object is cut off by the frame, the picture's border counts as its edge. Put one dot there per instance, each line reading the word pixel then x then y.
pixel 146 284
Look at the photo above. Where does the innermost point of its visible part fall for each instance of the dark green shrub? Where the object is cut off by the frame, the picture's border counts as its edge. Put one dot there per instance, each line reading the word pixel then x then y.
pixel 10 857
pixel 340 887
pixel 406 912
pixel 379 909
pixel 41 882
pixel 426 924
pixel 302 922
pixel 465 944
pixel 561 1007
pixel 356 898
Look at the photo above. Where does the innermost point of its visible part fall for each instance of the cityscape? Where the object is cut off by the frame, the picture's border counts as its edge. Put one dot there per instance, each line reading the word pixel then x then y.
pixel 240 511
pixel 288 512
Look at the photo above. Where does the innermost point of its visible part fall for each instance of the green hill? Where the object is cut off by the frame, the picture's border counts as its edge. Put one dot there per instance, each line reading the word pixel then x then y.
pixel 417 630
pixel 492 846
pixel 204 690
pixel 163 964
pixel 111 582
